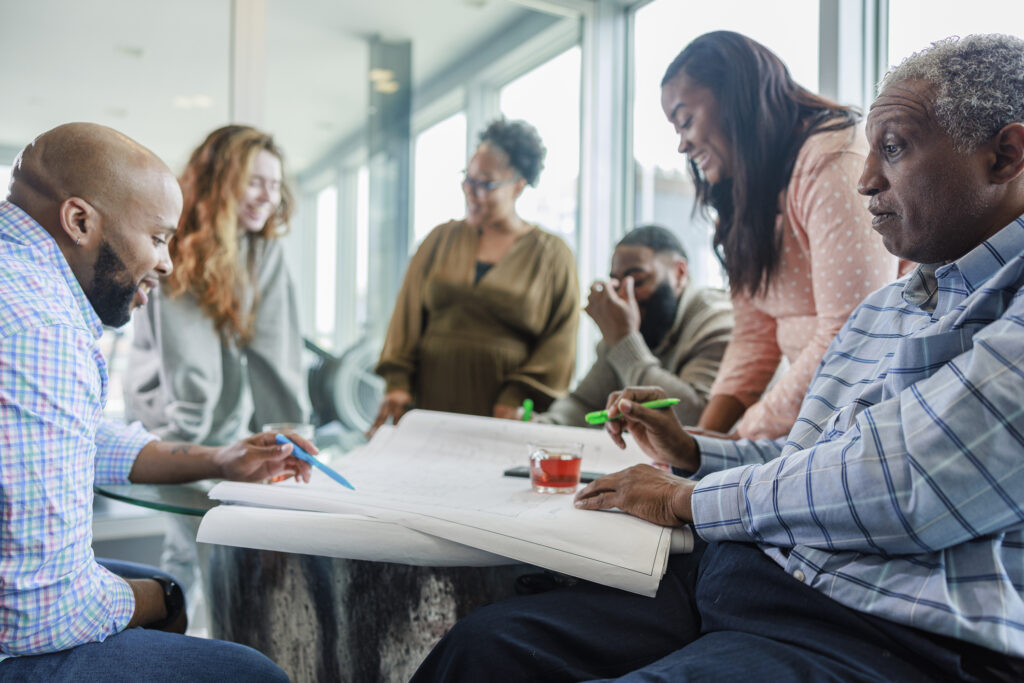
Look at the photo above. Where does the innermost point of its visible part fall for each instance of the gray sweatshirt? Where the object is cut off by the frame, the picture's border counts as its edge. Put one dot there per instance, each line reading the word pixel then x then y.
pixel 186 384
pixel 684 364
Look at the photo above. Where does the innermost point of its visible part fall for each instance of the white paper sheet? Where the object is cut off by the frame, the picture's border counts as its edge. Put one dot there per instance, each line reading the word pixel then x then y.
pixel 354 537
pixel 441 474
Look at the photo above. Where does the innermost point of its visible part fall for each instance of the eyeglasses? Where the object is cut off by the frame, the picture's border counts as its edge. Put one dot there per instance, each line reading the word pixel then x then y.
pixel 476 185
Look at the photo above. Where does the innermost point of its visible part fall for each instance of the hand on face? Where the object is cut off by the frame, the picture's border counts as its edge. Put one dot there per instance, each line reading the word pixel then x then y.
pixel 642 491
pixel 657 432
pixel 617 316
pixel 260 457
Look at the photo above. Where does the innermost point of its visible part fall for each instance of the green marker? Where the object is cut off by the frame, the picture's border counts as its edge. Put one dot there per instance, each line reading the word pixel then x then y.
pixel 527 409
pixel 601 416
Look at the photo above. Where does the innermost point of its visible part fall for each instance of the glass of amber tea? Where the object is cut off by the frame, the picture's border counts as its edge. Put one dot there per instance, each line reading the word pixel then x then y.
pixel 555 467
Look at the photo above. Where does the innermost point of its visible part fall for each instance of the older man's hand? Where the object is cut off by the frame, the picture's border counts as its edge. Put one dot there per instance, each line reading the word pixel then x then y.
pixel 642 491
pixel 657 432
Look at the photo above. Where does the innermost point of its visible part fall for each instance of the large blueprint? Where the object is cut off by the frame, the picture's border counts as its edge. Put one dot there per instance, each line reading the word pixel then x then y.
pixel 431 492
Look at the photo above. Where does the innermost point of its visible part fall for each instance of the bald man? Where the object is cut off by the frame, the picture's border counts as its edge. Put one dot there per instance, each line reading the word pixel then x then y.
pixel 83 239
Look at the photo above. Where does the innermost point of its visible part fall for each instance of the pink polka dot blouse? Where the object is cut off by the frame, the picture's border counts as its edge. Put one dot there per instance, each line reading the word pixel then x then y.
pixel 831 259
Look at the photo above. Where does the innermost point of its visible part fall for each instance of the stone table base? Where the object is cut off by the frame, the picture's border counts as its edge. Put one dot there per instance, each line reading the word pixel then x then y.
pixel 327 619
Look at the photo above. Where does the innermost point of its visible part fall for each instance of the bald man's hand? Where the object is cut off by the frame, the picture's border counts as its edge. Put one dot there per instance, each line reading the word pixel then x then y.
pixel 255 458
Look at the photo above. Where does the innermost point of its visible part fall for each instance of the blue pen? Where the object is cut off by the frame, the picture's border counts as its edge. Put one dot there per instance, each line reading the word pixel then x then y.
pixel 303 455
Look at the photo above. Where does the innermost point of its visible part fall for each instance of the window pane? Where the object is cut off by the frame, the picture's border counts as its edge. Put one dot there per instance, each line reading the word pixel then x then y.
pixel 440 159
pixel 326 257
pixel 5 178
pixel 915 24
pixel 664 193
pixel 362 242
pixel 549 99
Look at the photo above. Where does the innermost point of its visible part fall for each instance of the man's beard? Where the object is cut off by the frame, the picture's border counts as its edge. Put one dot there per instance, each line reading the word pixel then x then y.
pixel 659 314
pixel 111 299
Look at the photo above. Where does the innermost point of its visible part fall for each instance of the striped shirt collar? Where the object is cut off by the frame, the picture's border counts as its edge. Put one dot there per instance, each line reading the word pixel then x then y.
pixel 18 226
pixel 969 272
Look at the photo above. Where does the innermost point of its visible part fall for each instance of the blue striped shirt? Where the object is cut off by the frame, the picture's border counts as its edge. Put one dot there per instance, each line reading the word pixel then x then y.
pixel 900 490
pixel 54 443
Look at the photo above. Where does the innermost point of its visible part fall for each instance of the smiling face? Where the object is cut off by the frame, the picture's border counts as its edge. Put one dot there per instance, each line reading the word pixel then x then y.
pixel 490 165
pixel 132 255
pixel 930 202
pixel 693 111
pixel 262 193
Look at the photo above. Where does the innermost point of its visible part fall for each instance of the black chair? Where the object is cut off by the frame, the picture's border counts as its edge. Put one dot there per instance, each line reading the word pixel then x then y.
pixel 344 387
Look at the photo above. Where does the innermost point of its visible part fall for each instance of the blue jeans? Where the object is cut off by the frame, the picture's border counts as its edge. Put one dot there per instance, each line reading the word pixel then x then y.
pixel 140 654
pixel 723 613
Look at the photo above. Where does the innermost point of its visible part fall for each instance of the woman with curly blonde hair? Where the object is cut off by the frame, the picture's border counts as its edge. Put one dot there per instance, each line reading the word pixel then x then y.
pixel 218 353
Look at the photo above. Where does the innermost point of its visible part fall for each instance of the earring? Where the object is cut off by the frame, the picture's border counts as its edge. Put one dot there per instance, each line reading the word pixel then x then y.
pixel 78 241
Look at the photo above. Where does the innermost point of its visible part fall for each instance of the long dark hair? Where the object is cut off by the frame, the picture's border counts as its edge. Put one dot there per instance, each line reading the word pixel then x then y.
pixel 766 118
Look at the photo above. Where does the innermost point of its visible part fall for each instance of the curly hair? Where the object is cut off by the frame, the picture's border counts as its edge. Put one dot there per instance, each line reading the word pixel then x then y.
pixel 521 142
pixel 979 84
pixel 205 248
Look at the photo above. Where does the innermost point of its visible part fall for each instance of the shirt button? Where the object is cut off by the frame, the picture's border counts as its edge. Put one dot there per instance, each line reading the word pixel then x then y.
pixel 799 576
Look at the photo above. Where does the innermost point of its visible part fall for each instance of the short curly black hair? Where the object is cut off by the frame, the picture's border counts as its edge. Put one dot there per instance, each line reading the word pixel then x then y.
pixel 521 142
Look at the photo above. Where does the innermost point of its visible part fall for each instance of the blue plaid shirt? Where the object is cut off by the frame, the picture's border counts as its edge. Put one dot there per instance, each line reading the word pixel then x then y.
pixel 54 443
pixel 900 490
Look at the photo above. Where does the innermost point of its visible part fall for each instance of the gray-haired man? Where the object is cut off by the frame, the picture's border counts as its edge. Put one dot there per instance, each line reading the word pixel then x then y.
pixel 883 538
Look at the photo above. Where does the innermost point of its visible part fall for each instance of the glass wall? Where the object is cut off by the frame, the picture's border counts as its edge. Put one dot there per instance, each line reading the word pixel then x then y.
pixel 362 244
pixel 440 158
pixel 326 263
pixel 548 97
pixel 663 190
pixel 915 24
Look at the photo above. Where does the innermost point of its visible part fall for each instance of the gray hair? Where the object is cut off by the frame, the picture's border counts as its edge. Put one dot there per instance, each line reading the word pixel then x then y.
pixel 978 81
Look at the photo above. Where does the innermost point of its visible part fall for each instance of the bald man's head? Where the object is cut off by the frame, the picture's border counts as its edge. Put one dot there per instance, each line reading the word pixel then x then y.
pixel 110 204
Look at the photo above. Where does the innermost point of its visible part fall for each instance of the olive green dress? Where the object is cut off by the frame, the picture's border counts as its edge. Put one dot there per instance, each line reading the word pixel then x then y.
pixel 463 346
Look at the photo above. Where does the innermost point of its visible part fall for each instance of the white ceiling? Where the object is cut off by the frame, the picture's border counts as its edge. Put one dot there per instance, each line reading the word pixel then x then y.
pixel 123 63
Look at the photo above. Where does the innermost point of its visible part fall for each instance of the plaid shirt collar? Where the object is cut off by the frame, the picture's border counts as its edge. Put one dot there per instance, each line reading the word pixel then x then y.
pixel 970 271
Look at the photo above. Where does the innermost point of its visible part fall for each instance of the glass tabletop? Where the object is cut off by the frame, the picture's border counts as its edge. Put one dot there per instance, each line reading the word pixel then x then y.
pixel 183 499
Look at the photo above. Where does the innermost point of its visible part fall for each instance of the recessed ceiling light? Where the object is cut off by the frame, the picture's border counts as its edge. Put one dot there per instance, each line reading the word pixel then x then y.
pixel 378 75
pixel 386 87
pixel 192 101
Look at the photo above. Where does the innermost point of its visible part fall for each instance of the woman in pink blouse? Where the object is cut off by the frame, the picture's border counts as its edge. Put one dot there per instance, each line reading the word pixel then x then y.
pixel 777 167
